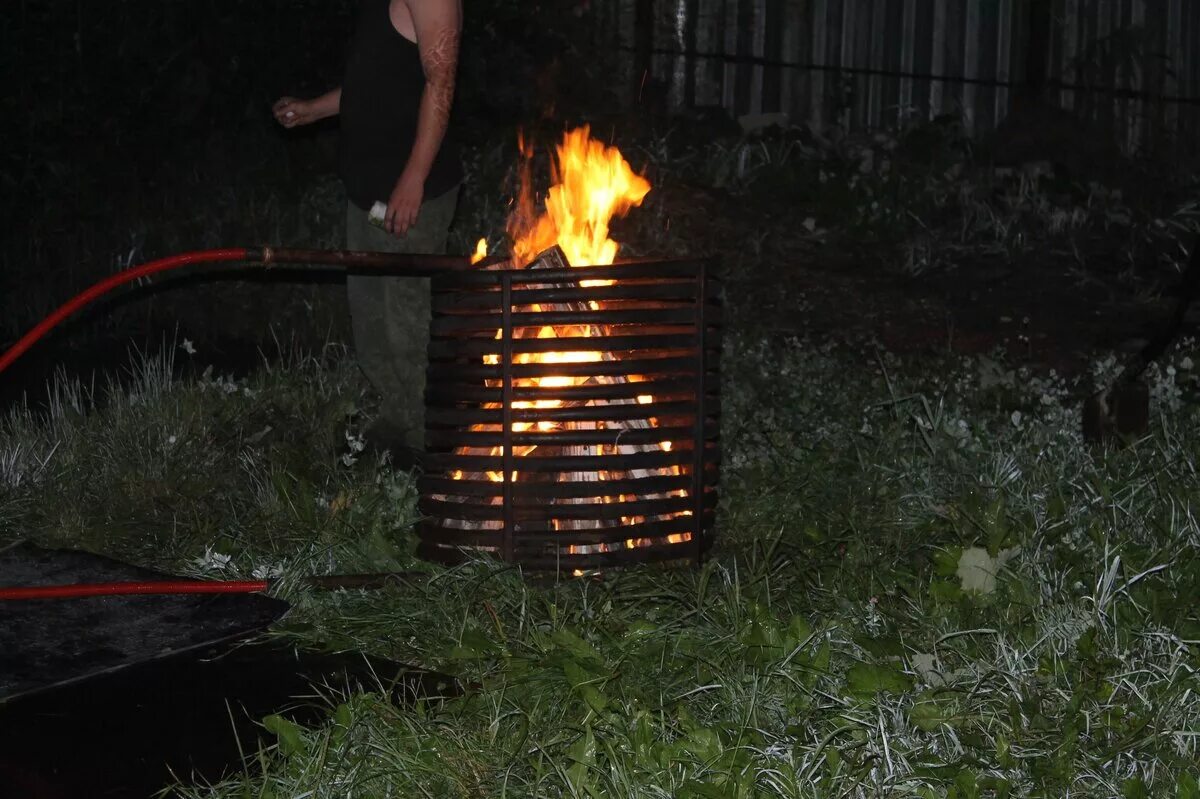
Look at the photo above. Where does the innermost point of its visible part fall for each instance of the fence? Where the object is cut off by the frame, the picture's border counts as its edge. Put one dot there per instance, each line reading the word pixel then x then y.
pixel 1132 65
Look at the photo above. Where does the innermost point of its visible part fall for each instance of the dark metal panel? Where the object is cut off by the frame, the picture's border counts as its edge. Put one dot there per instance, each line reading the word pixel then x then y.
pixel 861 60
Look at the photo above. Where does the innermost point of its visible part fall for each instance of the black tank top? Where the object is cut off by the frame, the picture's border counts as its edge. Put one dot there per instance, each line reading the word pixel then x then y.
pixel 381 94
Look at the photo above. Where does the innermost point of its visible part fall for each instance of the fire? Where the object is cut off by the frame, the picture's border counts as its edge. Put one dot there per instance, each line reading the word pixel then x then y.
pixel 481 251
pixel 592 184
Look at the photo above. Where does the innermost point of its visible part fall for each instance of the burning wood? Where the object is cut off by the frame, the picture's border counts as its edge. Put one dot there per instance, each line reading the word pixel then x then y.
pixel 554 259
pixel 572 454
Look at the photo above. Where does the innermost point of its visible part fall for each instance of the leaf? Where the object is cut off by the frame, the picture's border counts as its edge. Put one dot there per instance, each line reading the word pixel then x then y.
pixel 640 629
pixel 474 645
pixel 1134 788
pixel 833 759
pixel 288 734
pixel 693 789
pixel 581 649
pixel 929 714
pixel 820 661
pixel 759 636
pixel 580 773
pixel 703 743
pixel 945 561
pixel 977 571
pixel 798 632
pixel 1085 645
pixel 1004 754
pixel 868 679
pixel 762 643
pixel 342 720
pixel 584 749
pixel 880 647
pixel 583 682
pixel 945 591
pixel 1186 787
pixel 995 525
pixel 966 785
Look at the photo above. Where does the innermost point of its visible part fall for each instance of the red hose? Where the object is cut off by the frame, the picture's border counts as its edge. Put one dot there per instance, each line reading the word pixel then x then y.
pixel 108 284
pixel 80 300
pixel 124 589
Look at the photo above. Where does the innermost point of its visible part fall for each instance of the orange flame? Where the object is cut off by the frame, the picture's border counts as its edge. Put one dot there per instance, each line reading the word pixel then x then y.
pixel 593 183
pixel 481 251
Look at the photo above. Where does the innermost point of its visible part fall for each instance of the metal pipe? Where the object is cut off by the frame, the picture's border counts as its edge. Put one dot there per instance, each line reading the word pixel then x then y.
pixel 399 264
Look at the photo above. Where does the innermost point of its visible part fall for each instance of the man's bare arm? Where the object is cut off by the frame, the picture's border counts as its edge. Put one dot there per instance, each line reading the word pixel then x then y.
pixel 437 25
pixel 438 28
pixel 291 112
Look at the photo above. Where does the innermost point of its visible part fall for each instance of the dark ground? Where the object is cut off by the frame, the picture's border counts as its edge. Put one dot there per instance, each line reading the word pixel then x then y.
pixel 1037 313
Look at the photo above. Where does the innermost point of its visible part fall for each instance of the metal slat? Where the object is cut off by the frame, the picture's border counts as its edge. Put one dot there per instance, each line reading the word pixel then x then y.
pixel 593 489
pixel 475 394
pixel 548 464
pixel 662 327
pixel 605 412
pixel 610 318
pixel 601 345
pixel 637 366
pixel 437 437
pixel 547 539
pixel 563 512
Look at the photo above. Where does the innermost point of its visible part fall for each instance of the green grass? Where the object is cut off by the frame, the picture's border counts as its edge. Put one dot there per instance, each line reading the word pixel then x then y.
pixel 835 645
pixel 828 648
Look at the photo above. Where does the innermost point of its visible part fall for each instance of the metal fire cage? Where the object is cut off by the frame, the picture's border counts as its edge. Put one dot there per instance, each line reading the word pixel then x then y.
pixel 605 456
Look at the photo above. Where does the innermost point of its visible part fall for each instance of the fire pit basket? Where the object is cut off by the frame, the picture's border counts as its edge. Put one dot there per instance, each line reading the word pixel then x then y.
pixel 572 415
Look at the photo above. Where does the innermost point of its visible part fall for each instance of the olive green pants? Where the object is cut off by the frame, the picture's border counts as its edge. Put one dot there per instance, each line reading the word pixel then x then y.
pixel 390 315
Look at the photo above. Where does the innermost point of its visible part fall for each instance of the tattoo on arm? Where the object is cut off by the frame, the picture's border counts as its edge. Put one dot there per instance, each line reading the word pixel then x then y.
pixel 439 58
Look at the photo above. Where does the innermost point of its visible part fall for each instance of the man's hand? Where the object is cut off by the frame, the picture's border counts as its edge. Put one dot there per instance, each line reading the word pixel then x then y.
pixel 404 205
pixel 291 112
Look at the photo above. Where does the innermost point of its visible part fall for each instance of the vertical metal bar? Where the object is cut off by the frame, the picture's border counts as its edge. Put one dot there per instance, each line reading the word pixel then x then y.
pixel 700 385
pixel 729 47
pixel 756 43
pixel 1173 112
pixel 745 33
pixel 691 10
pixel 908 45
pixel 1136 110
pixel 506 378
pixel 773 23
pixel 875 58
pixel 1003 60
pixel 937 59
pixel 1072 27
pixel 792 48
pixel 816 78
pixel 970 51
pixel 846 59
pixel 1104 108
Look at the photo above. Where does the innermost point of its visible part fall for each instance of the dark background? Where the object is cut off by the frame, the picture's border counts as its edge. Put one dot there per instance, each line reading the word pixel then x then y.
pixel 139 129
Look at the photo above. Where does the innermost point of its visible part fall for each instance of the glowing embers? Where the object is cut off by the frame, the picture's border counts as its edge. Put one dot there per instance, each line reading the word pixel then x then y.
pixel 573 424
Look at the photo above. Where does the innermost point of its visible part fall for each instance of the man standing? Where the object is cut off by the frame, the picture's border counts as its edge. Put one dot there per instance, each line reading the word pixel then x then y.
pixel 394 103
